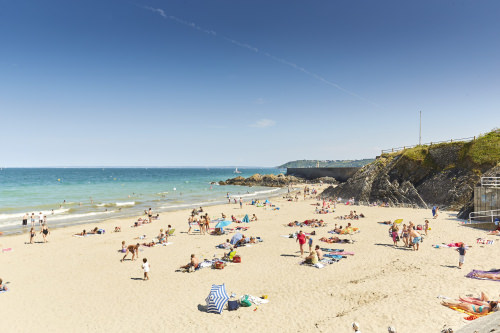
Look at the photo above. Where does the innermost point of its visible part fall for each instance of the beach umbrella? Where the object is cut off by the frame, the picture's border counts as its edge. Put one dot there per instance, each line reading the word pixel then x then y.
pixel 236 238
pixel 223 224
pixel 246 219
pixel 217 298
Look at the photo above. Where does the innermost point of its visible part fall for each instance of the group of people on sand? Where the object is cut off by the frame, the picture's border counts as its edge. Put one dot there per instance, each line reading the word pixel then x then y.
pixel 44 231
pixel 314 255
pixel 410 234
pixel 352 216
pixel 203 223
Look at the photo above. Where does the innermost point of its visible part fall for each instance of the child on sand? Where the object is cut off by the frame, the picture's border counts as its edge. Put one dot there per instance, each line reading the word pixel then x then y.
pixel 145 267
pixel 124 247
pixel 32 235
pixel 461 258
pixel 426 227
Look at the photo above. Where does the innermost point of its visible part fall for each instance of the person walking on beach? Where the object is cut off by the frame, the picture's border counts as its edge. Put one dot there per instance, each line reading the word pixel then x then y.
pixel 461 257
pixel 301 238
pixel 25 219
pixel 32 235
pixel 145 267
pixel 45 231
pixel 394 233
pixel 40 218
pixel 32 219
pixel 134 249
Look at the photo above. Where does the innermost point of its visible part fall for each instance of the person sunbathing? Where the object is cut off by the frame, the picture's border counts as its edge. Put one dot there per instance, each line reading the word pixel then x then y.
pixel 118 229
pixel 241 242
pixel 229 255
pixel 94 231
pixel 252 240
pixel 319 253
pixel 150 244
pixel 83 233
pixel 2 286
pixel 193 264
pixel 483 309
pixel 254 218
pixel 490 276
pixel 312 258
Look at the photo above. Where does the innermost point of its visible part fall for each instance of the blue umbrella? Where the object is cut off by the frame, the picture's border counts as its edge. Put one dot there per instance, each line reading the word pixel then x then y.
pixel 223 224
pixel 217 298
pixel 236 238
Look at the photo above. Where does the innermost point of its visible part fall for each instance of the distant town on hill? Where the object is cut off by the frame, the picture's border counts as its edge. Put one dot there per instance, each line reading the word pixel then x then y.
pixel 326 163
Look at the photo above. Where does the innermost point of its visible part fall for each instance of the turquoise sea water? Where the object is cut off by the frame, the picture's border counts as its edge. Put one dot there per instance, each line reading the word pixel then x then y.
pixel 81 195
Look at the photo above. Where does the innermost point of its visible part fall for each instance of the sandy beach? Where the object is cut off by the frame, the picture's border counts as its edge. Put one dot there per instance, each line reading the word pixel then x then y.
pixel 75 284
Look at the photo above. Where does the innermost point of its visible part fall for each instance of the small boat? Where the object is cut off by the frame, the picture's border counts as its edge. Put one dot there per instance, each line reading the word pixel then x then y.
pixel 237 171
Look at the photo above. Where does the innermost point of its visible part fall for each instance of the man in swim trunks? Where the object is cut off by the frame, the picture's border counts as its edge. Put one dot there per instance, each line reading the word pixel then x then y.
pixel 134 249
pixel 193 264
pixel 416 238
pixel 150 214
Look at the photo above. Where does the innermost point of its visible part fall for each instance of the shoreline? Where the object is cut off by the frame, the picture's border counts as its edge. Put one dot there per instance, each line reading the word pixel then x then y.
pixel 20 229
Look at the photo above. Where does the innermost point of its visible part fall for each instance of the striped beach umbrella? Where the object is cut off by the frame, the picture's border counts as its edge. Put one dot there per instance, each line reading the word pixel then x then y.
pixel 217 298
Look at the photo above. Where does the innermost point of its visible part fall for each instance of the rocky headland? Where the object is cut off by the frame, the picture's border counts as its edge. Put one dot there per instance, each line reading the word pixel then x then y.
pixel 280 180
pixel 442 174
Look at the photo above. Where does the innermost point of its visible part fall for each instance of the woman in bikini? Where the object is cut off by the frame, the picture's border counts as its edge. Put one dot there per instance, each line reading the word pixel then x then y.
pixel 477 309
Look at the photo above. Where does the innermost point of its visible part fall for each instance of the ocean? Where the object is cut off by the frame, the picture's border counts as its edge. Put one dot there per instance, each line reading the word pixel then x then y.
pixel 82 195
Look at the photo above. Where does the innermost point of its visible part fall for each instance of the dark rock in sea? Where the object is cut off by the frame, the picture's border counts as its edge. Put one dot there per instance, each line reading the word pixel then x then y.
pixel 263 180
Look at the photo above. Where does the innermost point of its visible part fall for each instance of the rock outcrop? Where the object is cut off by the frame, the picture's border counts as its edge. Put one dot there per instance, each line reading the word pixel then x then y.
pixel 263 180
pixel 443 175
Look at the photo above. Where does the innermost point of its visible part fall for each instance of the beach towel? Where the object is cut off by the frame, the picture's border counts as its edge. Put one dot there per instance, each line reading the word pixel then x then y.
pixel 342 253
pixel 325 249
pixel 9 249
pixel 333 256
pixel 485 241
pixel 470 315
pixel 495 272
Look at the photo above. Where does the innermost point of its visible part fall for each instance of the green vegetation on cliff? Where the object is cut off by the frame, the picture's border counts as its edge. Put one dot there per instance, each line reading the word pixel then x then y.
pixel 326 163
pixel 484 152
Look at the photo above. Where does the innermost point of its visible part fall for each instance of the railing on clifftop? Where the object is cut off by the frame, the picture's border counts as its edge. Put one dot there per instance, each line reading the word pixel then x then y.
pixel 393 150
pixel 490 181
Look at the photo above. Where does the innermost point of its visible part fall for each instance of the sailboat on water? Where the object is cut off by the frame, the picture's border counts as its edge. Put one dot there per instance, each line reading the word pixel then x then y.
pixel 237 171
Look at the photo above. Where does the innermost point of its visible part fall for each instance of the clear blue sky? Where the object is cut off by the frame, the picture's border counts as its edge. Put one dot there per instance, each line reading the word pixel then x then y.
pixel 187 83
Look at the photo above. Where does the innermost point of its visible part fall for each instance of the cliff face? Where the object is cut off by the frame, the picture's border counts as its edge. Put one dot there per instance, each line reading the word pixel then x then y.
pixel 443 174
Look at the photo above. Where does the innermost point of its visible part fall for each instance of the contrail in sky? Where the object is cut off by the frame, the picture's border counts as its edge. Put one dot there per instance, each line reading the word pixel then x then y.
pixel 193 25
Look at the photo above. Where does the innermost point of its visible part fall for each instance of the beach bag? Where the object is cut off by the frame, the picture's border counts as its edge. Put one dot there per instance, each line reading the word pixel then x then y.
pixel 233 305
pixel 245 302
pixel 419 227
pixel 237 259
pixel 219 265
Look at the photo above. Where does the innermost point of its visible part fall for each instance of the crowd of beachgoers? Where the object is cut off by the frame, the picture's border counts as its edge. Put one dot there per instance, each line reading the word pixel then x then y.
pixel 314 251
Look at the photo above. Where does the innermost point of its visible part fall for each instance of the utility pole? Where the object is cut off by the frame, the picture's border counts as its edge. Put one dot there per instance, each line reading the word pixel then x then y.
pixel 420 130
